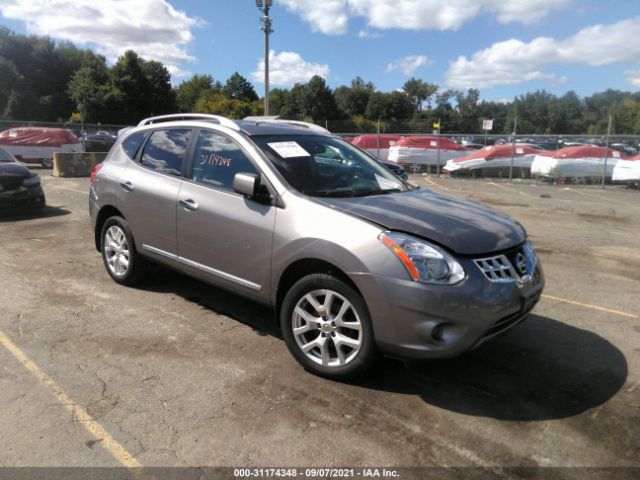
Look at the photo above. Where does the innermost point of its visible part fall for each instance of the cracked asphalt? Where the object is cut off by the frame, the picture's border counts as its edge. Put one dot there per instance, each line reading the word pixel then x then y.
pixel 182 374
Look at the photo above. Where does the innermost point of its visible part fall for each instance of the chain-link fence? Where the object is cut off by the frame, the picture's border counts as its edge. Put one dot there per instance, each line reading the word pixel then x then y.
pixel 421 148
pixel 77 128
pixel 562 158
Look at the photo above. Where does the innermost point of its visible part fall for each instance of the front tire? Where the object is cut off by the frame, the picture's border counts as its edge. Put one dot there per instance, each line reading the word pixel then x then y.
pixel 327 328
pixel 121 259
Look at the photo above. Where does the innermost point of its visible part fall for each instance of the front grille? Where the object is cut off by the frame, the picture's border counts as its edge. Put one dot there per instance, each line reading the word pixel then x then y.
pixel 497 269
pixel 10 183
pixel 511 266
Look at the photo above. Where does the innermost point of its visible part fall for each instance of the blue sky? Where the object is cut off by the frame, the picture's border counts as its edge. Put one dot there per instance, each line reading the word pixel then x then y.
pixel 502 47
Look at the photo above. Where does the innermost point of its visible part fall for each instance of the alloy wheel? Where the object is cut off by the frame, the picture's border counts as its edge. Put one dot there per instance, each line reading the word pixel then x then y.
pixel 116 250
pixel 327 328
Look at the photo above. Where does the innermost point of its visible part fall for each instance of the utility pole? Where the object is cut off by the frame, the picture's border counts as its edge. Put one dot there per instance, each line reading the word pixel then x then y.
pixel 265 26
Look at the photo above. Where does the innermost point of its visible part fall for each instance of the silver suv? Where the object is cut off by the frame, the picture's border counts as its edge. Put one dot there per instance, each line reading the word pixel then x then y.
pixel 354 260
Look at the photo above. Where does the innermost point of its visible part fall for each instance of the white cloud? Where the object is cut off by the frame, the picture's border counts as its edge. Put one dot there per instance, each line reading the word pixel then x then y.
pixel 369 34
pixel 408 64
pixel 524 11
pixel 331 16
pixel 633 78
pixel 327 16
pixel 287 68
pixel 513 61
pixel 153 28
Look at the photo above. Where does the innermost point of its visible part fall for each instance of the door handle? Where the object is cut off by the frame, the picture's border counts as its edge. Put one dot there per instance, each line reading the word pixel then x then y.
pixel 189 204
pixel 128 186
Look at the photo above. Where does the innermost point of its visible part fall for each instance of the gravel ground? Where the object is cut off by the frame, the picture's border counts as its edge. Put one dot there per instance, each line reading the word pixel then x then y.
pixel 182 374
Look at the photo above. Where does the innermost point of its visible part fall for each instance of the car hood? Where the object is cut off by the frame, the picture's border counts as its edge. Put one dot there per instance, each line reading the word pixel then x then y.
pixel 465 227
pixel 14 170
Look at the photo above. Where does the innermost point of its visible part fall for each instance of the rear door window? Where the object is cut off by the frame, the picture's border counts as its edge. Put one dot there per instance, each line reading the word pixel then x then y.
pixel 217 159
pixel 132 143
pixel 165 150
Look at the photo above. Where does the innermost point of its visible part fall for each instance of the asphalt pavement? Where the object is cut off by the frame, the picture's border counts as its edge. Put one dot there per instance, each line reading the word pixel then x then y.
pixel 178 373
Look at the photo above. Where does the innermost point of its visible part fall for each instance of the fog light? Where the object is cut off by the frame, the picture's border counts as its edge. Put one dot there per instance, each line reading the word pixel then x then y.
pixel 437 333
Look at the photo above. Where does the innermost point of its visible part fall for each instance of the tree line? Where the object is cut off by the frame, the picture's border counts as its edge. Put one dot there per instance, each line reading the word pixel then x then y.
pixel 45 80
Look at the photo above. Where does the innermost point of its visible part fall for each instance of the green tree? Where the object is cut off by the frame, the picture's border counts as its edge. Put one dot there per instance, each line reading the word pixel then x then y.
pixel 467 109
pixel 239 88
pixel 285 102
pixel 161 97
pixel 188 92
pixel 317 100
pixel 218 104
pixel 84 91
pixel 10 78
pixel 353 100
pixel 419 91
pixel 128 97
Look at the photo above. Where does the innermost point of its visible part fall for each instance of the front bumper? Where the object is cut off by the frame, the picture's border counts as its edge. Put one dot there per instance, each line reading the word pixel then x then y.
pixel 419 321
pixel 22 198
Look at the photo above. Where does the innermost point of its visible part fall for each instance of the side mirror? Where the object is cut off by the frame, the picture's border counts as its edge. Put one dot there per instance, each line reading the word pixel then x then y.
pixel 247 184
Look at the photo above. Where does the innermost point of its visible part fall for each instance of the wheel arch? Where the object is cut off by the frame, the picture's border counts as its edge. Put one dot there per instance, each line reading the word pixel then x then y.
pixel 303 267
pixel 104 214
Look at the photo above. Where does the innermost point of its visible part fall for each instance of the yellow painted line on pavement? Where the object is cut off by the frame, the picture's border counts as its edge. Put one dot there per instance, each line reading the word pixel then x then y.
pixel 510 189
pixel 94 428
pixel 592 307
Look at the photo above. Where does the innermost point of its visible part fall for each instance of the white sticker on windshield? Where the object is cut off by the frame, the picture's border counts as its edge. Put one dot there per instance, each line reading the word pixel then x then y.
pixel 386 184
pixel 434 143
pixel 519 150
pixel 289 149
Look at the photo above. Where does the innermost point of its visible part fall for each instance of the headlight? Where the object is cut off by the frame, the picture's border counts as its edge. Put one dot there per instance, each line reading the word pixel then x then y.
pixel 424 262
pixel 31 181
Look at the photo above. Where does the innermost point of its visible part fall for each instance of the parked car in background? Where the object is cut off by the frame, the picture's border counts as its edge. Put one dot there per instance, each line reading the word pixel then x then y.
pixel 19 187
pixel 377 145
pixel 627 170
pixel 624 148
pixel 35 145
pixel 99 142
pixel 395 168
pixel 353 260
pixel 426 150
pixel 473 146
pixel 578 163
pixel 495 160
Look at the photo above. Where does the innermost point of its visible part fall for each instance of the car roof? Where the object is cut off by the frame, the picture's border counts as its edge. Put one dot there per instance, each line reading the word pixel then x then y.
pixel 250 125
pixel 252 128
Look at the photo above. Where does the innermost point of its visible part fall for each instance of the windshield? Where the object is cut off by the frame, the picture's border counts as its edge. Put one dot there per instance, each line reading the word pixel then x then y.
pixel 321 166
pixel 5 157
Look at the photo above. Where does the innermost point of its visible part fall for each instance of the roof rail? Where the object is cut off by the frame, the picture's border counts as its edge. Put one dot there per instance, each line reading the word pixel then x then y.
pixel 309 125
pixel 224 121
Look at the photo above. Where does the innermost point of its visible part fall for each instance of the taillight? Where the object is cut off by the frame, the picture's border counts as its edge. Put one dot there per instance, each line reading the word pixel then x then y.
pixel 95 171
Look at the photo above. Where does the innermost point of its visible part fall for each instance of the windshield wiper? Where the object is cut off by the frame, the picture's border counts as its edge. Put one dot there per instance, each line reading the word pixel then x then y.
pixel 387 191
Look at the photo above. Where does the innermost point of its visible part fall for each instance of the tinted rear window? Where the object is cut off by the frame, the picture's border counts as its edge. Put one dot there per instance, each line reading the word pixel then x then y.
pixel 132 143
pixel 165 150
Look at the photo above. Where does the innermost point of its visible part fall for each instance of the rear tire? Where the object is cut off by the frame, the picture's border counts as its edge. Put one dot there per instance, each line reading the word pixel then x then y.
pixel 121 259
pixel 327 327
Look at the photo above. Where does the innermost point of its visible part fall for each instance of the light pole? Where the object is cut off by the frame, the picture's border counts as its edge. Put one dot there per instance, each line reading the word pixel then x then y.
pixel 265 26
